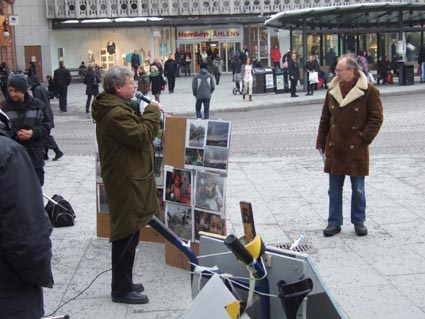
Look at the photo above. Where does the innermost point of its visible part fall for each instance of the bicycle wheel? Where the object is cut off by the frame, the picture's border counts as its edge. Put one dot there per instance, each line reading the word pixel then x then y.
pixel 235 91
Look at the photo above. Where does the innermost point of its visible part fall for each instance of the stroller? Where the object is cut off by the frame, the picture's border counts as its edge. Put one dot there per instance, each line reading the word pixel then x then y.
pixel 239 85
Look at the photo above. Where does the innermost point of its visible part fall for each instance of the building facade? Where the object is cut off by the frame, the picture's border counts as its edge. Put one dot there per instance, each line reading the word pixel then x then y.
pixel 84 30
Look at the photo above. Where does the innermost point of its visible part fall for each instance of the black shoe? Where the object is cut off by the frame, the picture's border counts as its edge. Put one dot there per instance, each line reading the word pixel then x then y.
pixel 308 94
pixel 46 156
pixel 294 95
pixel 138 288
pixel 59 154
pixel 132 297
pixel 360 229
pixel 87 111
pixel 331 230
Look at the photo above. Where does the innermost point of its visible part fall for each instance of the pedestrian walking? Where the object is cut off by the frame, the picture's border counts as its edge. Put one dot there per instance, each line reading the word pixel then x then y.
pixel 126 155
pixel 351 117
pixel 31 69
pixel 202 87
pixel 143 84
pixel 312 69
pixel 170 71
pixel 135 62
pixel 156 81
pixel 41 93
pixel 247 78
pixel 421 63
pixel 91 80
pixel 217 68
pixel 4 76
pixel 294 74
pixel 62 79
pixel 187 62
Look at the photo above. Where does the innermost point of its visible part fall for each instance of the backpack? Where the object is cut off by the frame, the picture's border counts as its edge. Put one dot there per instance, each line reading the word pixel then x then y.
pixel 61 215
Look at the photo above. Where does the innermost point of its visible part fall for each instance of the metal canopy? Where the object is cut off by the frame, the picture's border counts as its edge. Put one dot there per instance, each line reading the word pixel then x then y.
pixel 370 17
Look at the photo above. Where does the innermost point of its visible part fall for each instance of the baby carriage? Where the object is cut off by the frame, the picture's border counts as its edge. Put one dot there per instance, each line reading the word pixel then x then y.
pixel 239 85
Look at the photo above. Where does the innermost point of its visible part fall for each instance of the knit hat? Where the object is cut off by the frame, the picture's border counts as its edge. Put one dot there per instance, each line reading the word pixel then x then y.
pixel 18 82
pixel 204 65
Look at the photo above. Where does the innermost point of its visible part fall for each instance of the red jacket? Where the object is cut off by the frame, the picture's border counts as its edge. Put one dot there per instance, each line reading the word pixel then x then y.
pixel 275 55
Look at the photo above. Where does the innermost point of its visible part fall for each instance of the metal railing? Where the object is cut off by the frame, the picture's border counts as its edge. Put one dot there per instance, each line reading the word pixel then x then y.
pixel 97 9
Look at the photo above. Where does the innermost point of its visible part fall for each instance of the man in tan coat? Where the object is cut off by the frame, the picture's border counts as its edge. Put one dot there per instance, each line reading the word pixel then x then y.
pixel 352 115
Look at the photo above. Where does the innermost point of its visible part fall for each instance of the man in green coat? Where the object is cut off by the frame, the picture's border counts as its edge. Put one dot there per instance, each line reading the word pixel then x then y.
pixel 352 115
pixel 127 161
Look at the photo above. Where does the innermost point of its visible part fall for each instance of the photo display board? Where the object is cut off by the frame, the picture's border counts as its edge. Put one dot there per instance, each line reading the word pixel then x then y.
pixel 196 154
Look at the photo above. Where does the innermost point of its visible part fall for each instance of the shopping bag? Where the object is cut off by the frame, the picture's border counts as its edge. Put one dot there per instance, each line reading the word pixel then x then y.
pixel 313 77
pixel 370 78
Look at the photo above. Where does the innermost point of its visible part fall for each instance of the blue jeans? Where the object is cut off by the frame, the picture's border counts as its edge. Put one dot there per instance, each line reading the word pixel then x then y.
pixel 198 107
pixel 358 199
pixel 423 72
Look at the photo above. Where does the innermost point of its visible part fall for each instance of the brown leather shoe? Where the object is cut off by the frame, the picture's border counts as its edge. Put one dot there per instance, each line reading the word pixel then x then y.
pixel 331 230
pixel 360 229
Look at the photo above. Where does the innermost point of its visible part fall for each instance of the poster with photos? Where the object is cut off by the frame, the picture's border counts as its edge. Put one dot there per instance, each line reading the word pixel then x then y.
pixel 196 133
pixel 207 144
pixel 179 220
pixel 178 185
pixel 209 191
pixel 209 222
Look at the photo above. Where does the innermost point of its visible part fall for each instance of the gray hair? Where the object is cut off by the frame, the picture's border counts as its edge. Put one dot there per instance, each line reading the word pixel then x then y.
pixel 116 75
pixel 350 63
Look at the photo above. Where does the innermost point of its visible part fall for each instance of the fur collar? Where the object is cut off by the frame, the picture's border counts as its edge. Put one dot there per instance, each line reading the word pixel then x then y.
pixel 356 92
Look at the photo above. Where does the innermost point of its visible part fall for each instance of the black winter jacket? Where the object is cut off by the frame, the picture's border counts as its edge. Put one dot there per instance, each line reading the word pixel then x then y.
pixel 62 77
pixel 25 246
pixel 30 114
pixel 91 80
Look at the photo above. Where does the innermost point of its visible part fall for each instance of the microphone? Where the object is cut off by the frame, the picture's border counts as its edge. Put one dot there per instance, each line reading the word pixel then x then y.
pixel 140 96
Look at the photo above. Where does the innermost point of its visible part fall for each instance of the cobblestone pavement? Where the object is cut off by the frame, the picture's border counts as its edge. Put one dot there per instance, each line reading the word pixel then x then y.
pixel 273 165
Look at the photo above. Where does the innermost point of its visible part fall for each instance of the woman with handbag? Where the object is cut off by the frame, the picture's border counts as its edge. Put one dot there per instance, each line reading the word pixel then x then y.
pixel 312 69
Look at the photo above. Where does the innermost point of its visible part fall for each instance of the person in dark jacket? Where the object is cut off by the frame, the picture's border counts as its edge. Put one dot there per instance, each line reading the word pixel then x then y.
pixel 202 87
pixel 31 69
pixel 41 93
pixel 352 116
pixel 311 66
pixel 170 71
pixel 30 121
pixel 293 74
pixel 25 246
pixel 143 84
pixel 126 156
pixel 237 65
pixel 217 68
pixel 51 87
pixel 62 79
pixel 135 62
pixel 91 80
pixel 4 76
pixel 157 81
pixel 421 63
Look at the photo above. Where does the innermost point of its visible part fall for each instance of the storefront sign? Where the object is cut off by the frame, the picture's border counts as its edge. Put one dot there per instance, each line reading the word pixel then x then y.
pixel 210 34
